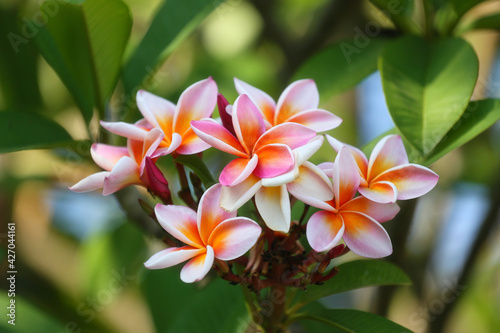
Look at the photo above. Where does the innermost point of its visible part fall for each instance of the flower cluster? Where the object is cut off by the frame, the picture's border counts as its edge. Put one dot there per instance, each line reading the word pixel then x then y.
pixel 272 142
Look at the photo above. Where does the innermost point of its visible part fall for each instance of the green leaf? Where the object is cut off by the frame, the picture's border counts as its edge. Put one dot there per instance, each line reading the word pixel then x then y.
pixel 401 13
pixel 218 307
pixel 342 65
pixel 346 320
pixel 354 275
pixel 198 166
pixel 84 43
pixel 173 22
pixel 20 131
pixel 427 86
pixel 450 12
pixel 478 117
pixel 18 63
pixel 414 155
pixel 491 22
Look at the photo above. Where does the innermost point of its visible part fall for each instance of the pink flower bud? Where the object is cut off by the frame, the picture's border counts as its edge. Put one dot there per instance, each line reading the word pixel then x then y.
pixel 155 181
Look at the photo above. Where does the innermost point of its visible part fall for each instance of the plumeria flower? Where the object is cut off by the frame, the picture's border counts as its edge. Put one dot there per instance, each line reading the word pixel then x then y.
pixel 196 102
pixel 298 103
pixel 271 194
pixel 261 154
pixel 388 176
pixel 124 165
pixel 356 220
pixel 210 234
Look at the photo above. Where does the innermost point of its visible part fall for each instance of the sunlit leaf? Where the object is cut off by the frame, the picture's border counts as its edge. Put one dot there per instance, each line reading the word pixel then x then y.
pixel 478 117
pixel 450 12
pixel 342 65
pixel 401 13
pixel 490 22
pixel 319 319
pixel 427 86
pixel 20 131
pixel 173 21
pixel 354 275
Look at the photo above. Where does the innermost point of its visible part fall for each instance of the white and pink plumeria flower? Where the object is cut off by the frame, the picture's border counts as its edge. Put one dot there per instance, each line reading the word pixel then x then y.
pixel 209 234
pixel 262 154
pixel 196 102
pixel 124 165
pixel 298 103
pixel 356 220
pixel 388 176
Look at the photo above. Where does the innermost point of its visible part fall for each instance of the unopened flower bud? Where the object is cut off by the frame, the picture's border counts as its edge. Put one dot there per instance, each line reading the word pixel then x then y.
pixel 155 181
pixel 227 120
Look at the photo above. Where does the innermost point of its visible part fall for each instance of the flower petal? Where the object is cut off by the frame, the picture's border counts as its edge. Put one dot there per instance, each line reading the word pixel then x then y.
pixel 123 174
pixel 191 144
pixel 316 119
pixel 210 215
pixel 218 137
pixel 365 236
pixel 238 170
pixel 388 153
pixel 196 102
pixel 312 187
pixel 291 134
pixel 90 183
pixel 345 177
pixel 172 256
pixel 247 122
pixel 264 102
pixel 379 212
pixel 324 230
pixel 274 160
pixel 411 180
pixel 158 111
pixel 299 96
pixel 234 237
pixel 305 152
pixel 107 156
pixel 175 143
pixel 180 222
pixel 358 155
pixel 273 205
pixel 150 144
pixel 236 196
pixel 198 267
pixel 381 192
pixel 327 168
pixel 225 116
pixel 282 179
pixel 125 129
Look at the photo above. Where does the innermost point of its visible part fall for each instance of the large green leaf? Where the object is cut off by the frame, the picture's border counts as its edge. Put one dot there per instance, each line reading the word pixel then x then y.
pixel 18 63
pixel 478 117
pixel 19 131
pixel 84 43
pixel 401 13
pixel 174 20
pixel 354 275
pixel 427 86
pixel 491 22
pixel 342 65
pixel 179 307
pixel 319 319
